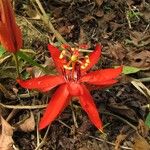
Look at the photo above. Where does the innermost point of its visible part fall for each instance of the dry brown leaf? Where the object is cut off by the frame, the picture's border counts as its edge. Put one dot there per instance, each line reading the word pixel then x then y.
pixel 117 51
pixel 99 2
pixel 6 141
pixel 114 26
pixel 32 13
pixel 83 39
pixel 141 87
pixel 63 30
pixel 87 18
pixel 120 138
pixel 139 38
pixel 140 60
pixel 123 110
pixel 109 17
pixel 99 13
pixel 142 128
pixel 140 143
pixel 29 124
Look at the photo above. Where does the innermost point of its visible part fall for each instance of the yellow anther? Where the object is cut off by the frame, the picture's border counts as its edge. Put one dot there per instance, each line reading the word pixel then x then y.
pixel 83 66
pixel 74 58
pixel 72 49
pixel 68 68
pixel 87 60
pixel 62 54
pixel 86 64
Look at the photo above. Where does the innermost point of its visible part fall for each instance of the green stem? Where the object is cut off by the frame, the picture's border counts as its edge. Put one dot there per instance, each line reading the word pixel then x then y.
pixel 17 64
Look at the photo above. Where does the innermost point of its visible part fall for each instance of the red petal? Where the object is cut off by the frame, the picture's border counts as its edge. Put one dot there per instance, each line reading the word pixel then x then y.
pixel 93 57
pixel 56 105
pixel 102 77
pixel 74 89
pixel 55 53
pixel 10 33
pixel 44 83
pixel 88 105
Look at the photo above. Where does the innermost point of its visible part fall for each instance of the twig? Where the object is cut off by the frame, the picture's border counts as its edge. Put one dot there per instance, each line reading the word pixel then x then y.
pixel 23 107
pixel 111 114
pixel 146 28
pixel 128 20
pixel 17 64
pixel 12 113
pixel 43 140
pixel 37 131
pixel 144 79
pixel 73 115
pixel 96 138
pixel 47 21
pixel 6 93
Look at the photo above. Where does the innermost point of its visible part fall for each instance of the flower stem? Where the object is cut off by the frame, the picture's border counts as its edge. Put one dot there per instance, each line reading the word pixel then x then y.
pixel 74 116
pixel 17 65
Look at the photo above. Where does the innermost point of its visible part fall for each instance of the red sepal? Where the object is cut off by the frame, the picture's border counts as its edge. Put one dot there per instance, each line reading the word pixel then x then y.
pixel 55 53
pixel 43 84
pixel 93 57
pixel 88 105
pixel 102 77
pixel 57 104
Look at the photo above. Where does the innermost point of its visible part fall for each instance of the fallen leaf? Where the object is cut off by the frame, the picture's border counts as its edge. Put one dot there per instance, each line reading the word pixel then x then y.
pixel 139 59
pixel 139 38
pixel 117 51
pixel 120 138
pixel 109 17
pixel 144 7
pixel 142 128
pixel 141 87
pixel 32 13
pixel 99 2
pixel 123 110
pixel 114 26
pixel 140 143
pixel 83 39
pixel 147 121
pixel 87 18
pixel 99 13
pixel 63 30
pixel 6 141
pixel 29 124
pixel 130 69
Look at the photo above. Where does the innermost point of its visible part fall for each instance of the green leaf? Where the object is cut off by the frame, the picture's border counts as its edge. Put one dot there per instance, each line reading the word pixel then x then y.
pixel 130 70
pixel 30 60
pixel 147 121
pixel 2 50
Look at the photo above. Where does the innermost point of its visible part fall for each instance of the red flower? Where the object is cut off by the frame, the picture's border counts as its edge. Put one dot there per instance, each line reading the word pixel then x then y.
pixel 10 34
pixel 72 69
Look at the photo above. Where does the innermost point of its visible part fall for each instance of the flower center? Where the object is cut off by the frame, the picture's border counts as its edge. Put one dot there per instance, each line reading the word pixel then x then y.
pixel 73 57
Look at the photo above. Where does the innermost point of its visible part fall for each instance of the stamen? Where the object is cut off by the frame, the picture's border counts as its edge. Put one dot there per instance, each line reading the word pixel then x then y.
pixel 87 59
pixel 72 49
pixel 80 62
pixel 67 67
pixel 86 64
pixel 83 66
pixel 62 54
pixel 74 58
